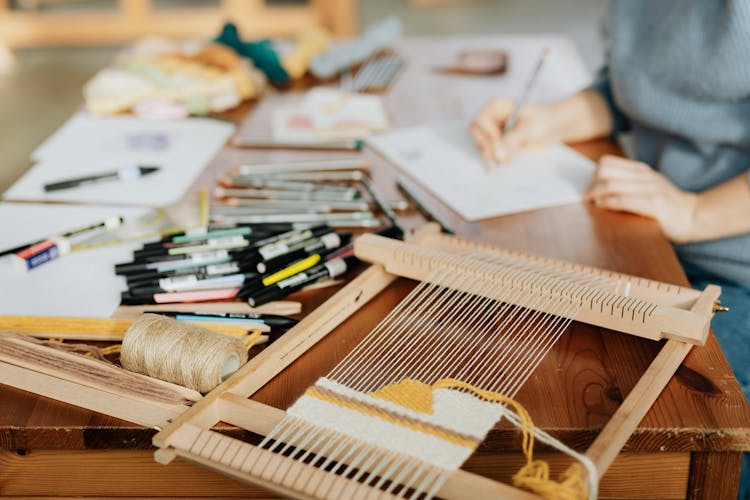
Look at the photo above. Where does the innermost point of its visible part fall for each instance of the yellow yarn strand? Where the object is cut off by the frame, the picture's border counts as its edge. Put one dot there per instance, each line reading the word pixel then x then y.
pixel 534 475
pixel 251 338
pixel 112 349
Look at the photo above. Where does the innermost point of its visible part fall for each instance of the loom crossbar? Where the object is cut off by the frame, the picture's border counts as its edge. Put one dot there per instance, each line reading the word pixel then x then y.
pixel 607 309
pixel 642 288
pixel 232 457
pixel 229 401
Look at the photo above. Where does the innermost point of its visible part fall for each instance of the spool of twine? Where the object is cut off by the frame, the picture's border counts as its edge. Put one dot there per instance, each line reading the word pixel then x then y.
pixel 180 353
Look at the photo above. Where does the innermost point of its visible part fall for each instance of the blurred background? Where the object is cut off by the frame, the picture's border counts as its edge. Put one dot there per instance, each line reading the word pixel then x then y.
pixel 50 48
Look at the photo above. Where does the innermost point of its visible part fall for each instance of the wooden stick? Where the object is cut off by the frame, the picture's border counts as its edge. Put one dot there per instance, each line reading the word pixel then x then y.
pixel 623 423
pixel 97 329
pixel 29 353
pixel 147 413
pixel 615 434
pixel 283 307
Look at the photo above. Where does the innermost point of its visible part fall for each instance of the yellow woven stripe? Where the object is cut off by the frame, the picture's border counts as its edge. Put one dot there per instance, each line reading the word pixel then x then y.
pixel 391 418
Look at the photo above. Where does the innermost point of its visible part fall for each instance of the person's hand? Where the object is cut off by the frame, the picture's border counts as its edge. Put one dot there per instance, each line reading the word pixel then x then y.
pixel 633 186
pixel 534 127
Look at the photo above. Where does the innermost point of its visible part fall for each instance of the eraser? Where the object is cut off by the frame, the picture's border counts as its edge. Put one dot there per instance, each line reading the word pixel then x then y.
pixel 36 255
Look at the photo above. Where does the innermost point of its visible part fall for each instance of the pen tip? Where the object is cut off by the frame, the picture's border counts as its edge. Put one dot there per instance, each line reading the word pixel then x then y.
pixel 148 169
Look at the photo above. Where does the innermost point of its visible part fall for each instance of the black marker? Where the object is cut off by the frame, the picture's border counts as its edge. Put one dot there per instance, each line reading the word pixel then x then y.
pixel 330 269
pixel 304 263
pixel 200 272
pixel 123 174
pixel 175 262
pixel 300 250
pixel 191 282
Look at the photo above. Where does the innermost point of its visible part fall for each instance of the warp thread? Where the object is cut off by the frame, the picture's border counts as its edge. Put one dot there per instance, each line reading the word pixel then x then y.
pixel 181 353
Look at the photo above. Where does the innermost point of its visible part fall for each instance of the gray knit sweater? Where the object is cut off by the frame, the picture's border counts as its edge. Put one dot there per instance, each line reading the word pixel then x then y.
pixel 678 78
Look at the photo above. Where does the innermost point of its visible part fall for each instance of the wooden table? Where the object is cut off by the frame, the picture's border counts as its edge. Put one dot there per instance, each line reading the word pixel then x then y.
pixel 689 444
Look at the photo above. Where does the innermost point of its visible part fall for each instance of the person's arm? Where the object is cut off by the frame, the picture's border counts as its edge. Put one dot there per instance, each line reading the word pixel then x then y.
pixel 723 210
pixel 631 186
pixel 582 116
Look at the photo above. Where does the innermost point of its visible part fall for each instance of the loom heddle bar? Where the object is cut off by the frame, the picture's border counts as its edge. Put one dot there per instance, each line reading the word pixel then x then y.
pixel 642 288
pixel 607 309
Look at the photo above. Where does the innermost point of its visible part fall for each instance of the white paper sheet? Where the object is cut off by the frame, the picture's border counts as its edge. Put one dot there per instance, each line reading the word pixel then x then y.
pixel 79 284
pixel 88 145
pixel 444 159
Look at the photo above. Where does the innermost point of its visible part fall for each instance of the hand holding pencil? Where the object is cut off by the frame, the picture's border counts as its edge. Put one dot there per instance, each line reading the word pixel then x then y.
pixel 533 128
pixel 504 126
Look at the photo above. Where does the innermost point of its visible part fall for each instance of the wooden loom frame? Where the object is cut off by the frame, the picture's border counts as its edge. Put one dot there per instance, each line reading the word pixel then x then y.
pixel 189 435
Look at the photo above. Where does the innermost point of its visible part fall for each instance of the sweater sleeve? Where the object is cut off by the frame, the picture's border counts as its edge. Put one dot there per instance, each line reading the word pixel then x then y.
pixel 603 86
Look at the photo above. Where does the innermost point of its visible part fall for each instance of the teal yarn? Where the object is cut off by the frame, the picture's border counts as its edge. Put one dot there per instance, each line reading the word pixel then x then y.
pixel 261 53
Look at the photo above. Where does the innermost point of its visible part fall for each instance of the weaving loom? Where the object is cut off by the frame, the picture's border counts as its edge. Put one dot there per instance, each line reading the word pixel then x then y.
pixel 403 410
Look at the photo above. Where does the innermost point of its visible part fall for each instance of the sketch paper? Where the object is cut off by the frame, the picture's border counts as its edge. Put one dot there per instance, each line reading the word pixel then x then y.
pixel 88 145
pixel 445 160
pixel 82 283
pixel 327 113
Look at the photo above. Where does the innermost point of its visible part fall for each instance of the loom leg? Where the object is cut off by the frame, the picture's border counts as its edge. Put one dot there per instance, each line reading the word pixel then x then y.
pixel 714 475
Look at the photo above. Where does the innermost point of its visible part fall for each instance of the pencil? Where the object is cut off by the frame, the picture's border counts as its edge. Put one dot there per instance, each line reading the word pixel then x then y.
pixel 511 122
pixel 271 143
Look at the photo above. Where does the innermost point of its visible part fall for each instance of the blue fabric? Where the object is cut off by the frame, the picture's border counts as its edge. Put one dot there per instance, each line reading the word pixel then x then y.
pixel 732 330
pixel 620 122
pixel 677 78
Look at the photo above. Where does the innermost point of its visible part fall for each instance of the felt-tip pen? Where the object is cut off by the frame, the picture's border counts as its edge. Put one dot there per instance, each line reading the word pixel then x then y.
pixel 107 225
pixel 123 174
pixel 196 259
pixel 272 320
